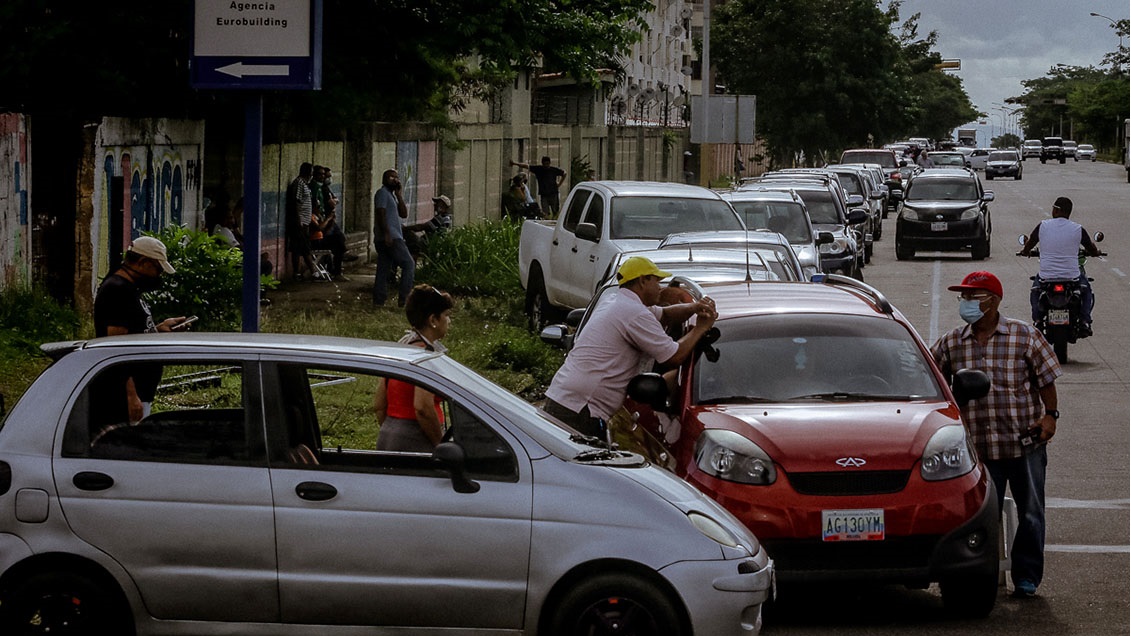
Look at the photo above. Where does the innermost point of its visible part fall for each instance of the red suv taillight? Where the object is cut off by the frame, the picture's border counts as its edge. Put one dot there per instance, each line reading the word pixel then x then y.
pixel 897 176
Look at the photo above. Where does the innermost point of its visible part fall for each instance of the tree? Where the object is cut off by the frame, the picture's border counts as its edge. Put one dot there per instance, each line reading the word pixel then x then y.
pixel 1008 140
pixel 1092 101
pixel 387 60
pixel 830 74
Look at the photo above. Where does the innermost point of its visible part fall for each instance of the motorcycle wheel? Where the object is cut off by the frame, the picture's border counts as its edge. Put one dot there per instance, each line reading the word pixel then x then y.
pixel 1058 337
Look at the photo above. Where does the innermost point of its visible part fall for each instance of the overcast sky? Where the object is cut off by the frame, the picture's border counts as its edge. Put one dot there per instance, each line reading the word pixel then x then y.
pixel 1003 42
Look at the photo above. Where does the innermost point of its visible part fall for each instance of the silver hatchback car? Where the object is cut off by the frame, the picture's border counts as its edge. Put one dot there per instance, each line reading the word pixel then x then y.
pixel 252 499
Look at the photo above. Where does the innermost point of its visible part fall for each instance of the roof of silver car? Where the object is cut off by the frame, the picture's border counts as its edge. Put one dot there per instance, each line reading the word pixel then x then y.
pixel 651 189
pixel 257 341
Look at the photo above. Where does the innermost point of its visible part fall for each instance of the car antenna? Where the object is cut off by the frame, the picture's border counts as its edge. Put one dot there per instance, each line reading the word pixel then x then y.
pixel 746 226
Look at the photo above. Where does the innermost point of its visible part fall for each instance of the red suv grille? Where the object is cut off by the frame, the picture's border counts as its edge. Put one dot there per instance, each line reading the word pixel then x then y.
pixel 867 482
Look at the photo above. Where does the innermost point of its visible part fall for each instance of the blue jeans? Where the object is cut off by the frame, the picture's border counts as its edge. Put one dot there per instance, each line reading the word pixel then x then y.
pixel 1087 299
pixel 1026 478
pixel 390 257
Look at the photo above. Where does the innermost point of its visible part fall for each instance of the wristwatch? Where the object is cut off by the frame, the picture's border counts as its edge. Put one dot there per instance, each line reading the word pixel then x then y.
pixel 1054 413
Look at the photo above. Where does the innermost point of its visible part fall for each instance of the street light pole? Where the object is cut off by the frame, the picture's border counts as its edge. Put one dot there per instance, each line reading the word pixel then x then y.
pixel 1115 25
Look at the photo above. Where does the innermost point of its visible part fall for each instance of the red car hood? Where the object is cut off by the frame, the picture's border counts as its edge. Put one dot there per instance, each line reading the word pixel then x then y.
pixel 812 437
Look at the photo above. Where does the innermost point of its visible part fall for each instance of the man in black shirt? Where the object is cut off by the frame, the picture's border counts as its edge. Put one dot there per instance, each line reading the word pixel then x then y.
pixel 549 181
pixel 119 309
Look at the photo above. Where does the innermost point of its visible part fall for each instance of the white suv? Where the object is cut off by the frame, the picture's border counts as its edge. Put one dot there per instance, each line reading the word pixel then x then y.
pixel 1031 148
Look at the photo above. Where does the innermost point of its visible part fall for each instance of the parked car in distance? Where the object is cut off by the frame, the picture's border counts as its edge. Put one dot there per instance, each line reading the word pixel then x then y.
pixel 819 418
pixel 252 499
pixel 1004 163
pixel 947 158
pixel 977 158
pixel 1086 152
pixel 1031 148
pixel 944 209
pixel 785 213
pixel 1052 148
pixel 888 159
pixel 1070 149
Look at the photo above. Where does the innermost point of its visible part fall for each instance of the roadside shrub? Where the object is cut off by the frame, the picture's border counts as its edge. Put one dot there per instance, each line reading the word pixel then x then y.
pixel 480 259
pixel 30 317
pixel 208 281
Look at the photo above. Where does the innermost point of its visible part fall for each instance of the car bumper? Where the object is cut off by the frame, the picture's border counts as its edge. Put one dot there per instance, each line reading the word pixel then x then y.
pixel 1001 172
pixel 838 262
pixel 932 529
pixel 958 235
pixel 733 603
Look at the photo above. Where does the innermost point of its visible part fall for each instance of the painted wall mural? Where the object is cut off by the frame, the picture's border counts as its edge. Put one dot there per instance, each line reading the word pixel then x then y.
pixel 15 233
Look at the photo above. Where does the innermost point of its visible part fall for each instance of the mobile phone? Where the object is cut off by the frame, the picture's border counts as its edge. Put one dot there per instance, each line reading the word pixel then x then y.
pixel 186 322
pixel 1030 437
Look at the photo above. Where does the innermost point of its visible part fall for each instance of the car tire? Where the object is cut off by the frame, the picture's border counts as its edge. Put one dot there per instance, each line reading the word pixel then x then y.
pixel 971 596
pixel 903 253
pixel 1043 159
pixel 989 177
pixel 981 249
pixel 62 603
pixel 538 307
pixel 1062 160
pixel 635 604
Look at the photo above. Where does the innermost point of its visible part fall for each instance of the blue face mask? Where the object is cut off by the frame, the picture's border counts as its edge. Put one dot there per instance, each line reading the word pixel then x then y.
pixel 970 310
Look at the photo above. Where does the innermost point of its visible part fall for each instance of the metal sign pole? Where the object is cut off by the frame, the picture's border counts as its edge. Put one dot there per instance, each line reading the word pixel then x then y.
pixel 252 208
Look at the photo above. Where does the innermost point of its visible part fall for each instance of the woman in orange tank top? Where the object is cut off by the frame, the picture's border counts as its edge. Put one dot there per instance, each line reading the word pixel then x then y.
pixel 411 418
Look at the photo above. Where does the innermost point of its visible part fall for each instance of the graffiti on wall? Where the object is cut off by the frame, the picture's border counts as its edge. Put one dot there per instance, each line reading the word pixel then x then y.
pixel 15 239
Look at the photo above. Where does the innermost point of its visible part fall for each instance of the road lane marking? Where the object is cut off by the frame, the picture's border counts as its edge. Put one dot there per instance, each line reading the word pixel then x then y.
pixel 936 297
pixel 1089 549
pixel 1118 272
pixel 1088 504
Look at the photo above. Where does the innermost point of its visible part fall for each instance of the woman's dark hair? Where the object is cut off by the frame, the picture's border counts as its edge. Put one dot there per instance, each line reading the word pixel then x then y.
pixel 423 302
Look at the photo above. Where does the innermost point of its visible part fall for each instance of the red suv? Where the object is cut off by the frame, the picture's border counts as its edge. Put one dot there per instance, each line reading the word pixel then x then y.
pixel 819 418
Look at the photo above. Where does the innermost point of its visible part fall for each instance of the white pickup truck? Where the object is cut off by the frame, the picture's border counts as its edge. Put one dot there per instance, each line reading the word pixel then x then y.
pixel 562 262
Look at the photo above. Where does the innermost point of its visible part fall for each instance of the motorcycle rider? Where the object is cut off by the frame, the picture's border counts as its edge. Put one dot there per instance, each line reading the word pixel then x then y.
pixel 1060 241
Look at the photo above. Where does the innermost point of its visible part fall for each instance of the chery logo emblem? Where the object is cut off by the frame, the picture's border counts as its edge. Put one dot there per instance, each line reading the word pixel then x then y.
pixel 850 462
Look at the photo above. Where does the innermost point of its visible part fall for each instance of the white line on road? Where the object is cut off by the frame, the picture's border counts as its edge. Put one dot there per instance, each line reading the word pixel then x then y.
pixel 1089 504
pixel 1089 549
pixel 1118 272
pixel 936 276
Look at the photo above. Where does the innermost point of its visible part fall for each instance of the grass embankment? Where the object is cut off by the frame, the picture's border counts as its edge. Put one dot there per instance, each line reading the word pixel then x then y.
pixel 478 264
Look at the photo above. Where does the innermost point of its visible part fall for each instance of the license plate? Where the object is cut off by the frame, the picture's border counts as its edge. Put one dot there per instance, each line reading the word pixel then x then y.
pixel 1058 316
pixel 852 525
pixel 938 226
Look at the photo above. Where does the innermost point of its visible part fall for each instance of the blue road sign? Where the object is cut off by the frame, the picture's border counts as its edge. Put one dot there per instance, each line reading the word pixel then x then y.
pixel 257 45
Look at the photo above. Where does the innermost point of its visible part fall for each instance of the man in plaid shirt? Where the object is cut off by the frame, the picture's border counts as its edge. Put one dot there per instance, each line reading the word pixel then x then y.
pixel 1010 426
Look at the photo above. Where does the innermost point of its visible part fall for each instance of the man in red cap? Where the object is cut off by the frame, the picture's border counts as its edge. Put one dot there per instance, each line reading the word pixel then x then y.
pixel 1010 426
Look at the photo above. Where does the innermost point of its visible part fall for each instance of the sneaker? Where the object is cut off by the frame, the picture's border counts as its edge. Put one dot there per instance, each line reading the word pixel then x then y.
pixel 1024 589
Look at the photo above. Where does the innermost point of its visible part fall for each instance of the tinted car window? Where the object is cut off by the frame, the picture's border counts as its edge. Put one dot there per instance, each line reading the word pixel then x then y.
pixel 942 189
pixel 822 208
pixel 192 413
pixel 884 158
pixel 799 356
pixel 657 217
pixel 785 218
pixel 576 207
pixel 1003 156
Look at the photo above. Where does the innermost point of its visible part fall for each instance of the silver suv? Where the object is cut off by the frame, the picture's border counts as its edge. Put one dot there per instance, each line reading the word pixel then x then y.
pixel 1031 148
pixel 252 499
pixel 786 214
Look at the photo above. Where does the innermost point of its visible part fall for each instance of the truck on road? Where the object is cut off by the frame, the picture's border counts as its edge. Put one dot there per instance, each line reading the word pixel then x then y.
pixel 968 137
pixel 561 262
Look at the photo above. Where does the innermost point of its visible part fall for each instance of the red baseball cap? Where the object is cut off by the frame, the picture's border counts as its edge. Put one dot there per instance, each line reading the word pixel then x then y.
pixel 979 280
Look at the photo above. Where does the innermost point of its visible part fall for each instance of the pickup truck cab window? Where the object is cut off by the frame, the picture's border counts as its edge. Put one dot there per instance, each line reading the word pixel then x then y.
pixel 573 214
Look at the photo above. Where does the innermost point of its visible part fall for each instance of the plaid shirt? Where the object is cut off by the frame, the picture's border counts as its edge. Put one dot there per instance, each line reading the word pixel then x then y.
pixel 1019 362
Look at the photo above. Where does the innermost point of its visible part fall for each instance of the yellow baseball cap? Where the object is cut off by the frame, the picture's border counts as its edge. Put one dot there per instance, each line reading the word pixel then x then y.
pixel 636 266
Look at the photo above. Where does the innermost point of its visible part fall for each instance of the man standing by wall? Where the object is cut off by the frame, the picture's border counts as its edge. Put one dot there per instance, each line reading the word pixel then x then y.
pixel 549 182
pixel 299 211
pixel 388 238
pixel 1011 425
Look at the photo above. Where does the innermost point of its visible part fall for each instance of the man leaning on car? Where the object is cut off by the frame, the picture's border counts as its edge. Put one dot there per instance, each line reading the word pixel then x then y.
pixel 591 385
pixel 1011 425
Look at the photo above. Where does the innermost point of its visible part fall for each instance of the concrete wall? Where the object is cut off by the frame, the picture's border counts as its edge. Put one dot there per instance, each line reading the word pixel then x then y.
pixel 15 175
pixel 146 175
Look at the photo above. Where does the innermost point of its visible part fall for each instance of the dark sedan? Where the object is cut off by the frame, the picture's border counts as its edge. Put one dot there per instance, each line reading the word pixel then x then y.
pixel 944 209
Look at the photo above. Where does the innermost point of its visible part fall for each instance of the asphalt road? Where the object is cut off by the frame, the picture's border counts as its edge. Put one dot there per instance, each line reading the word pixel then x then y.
pixel 1085 590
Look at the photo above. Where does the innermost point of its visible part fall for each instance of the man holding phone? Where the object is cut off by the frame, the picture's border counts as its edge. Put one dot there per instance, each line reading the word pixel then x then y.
pixel 388 239
pixel 119 309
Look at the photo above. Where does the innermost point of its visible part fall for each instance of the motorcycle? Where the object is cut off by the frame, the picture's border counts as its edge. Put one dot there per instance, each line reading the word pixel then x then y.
pixel 1058 304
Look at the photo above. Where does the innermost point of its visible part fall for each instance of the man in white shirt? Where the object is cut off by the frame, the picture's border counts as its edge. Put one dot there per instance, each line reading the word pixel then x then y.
pixel 591 385
pixel 1060 241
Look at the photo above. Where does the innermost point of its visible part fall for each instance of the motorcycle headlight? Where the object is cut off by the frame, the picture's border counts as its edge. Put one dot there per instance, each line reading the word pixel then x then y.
pixel 730 456
pixel 972 213
pixel 947 455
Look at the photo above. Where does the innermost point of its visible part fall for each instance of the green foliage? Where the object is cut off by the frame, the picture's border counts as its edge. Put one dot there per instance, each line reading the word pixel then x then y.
pixel 831 74
pixel 208 282
pixel 1092 103
pixel 30 317
pixel 480 259
pixel 1008 140
pixel 579 167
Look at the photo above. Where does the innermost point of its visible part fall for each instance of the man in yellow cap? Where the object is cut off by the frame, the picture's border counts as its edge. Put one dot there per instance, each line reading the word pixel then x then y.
pixel 622 334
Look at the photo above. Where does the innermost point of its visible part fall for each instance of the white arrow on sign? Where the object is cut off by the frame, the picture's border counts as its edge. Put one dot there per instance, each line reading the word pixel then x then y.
pixel 239 69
